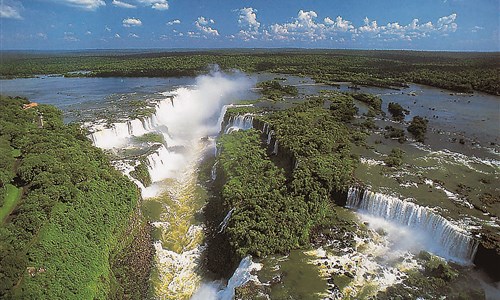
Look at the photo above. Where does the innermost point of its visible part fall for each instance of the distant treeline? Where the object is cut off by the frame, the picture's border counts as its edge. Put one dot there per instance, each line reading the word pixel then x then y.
pixel 457 71
pixel 61 237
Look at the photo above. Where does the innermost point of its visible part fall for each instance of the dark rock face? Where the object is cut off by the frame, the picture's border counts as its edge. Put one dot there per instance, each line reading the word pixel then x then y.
pixel 488 253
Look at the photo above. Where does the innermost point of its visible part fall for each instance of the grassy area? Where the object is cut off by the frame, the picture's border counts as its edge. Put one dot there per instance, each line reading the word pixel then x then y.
pixel 11 198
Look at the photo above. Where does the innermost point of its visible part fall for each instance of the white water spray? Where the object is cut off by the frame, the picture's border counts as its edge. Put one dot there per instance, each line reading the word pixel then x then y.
pixel 436 233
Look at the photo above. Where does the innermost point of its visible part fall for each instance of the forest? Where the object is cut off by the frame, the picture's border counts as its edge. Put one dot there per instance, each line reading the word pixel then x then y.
pixel 68 223
pixel 277 199
pixel 456 71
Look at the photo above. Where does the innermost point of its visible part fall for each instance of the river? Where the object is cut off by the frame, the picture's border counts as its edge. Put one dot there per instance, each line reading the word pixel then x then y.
pixel 441 174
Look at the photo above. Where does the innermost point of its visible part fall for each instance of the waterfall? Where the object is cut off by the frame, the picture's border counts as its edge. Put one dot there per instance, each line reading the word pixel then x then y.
pixel 119 133
pixel 214 170
pixel 269 136
pixel 163 164
pixel 223 224
pixel 275 148
pixel 241 276
pixel 265 128
pixel 239 122
pixel 453 241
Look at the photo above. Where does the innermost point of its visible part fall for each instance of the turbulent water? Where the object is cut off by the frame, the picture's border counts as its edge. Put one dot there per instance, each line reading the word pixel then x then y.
pixel 188 118
pixel 430 230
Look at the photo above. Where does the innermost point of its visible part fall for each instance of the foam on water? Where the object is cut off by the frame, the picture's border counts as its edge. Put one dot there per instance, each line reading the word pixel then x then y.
pixel 431 230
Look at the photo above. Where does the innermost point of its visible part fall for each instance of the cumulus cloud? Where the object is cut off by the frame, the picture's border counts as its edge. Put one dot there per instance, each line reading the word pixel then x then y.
pixel 202 25
pixel 306 27
pixel 122 4
pixel 131 22
pixel 117 36
pixel 11 9
pixel 83 4
pixel 447 23
pixel 133 35
pixel 174 22
pixel 248 19
pixel 155 4
pixel 339 24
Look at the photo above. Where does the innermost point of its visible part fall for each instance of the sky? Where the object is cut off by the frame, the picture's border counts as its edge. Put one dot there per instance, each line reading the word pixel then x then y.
pixel 468 25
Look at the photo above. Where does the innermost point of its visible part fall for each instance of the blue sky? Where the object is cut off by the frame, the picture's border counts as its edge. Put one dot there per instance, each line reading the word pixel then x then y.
pixel 363 24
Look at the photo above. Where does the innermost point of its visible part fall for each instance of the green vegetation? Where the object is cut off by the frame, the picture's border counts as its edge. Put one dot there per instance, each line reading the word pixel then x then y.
pixel 61 237
pixel 395 133
pixel 462 72
pixel 258 226
pixel 141 173
pixel 418 128
pixel 273 90
pixel 395 158
pixel 11 197
pixel 397 111
pixel 151 137
pixel 279 199
pixel 371 100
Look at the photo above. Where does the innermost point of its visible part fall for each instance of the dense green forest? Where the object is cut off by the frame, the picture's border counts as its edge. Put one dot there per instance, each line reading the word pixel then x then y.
pixel 462 72
pixel 277 199
pixel 65 230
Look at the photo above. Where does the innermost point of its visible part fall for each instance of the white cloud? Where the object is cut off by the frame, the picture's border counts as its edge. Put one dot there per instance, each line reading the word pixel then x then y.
pixel 83 4
pixel 248 19
pixel 304 28
pixel 107 28
pixel 174 22
pixel 131 22
pixel 117 36
pixel 70 37
pixel 155 4
pixel 447 23
pixel 338 24
pixel 201 23
pixel 88 32
pixel 41 35
pixel 122 4
pixel 10 9
pixel 476 29
pixel 133 35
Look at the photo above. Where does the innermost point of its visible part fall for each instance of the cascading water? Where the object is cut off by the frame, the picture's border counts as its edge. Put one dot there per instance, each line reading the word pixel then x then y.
pixel 269 136
pixel 452 242
pixel 239 122
pixel 118 134
pixel 187 128
pixel 223 224
pixel 275 148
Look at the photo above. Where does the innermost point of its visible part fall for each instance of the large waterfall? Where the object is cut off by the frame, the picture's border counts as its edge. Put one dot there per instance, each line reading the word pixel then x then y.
pixel 452 241
pixel 188 129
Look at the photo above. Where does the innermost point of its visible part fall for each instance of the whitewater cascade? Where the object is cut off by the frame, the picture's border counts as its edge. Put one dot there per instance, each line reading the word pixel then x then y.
pixel 453 241
pixel 239 122
pixel 223 224
pixel 188 131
